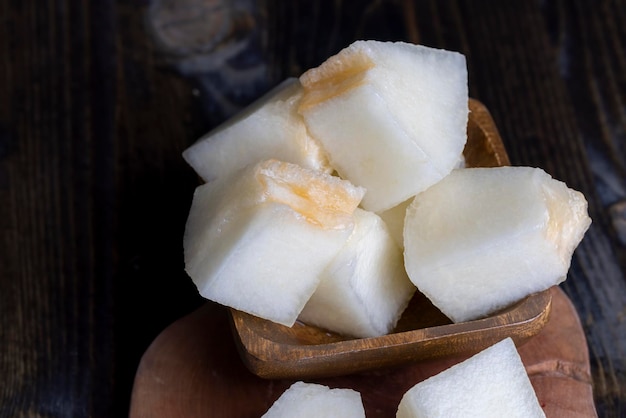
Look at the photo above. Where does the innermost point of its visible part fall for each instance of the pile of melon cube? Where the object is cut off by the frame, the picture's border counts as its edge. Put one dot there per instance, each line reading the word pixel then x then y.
pixel 334 197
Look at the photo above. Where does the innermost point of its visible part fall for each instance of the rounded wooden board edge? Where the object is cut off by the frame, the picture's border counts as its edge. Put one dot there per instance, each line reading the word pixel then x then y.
pixel 192 369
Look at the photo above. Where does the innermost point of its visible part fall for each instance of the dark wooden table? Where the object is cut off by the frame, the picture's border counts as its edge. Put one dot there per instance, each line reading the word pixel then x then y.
pixel 98 100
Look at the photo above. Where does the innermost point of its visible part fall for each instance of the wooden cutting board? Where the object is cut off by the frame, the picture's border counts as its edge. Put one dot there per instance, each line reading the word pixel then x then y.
pixel 192 369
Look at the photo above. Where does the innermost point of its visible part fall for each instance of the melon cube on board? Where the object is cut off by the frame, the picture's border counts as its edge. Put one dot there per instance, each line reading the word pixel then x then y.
pixel 484 238
pixel 268 128
pixel 259 240
pixel 392 116
pixel 310 400
pixel 491 384
pixel 365 289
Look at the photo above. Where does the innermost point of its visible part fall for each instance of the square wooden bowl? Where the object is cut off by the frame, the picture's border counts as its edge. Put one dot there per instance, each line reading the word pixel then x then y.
pixel 272 350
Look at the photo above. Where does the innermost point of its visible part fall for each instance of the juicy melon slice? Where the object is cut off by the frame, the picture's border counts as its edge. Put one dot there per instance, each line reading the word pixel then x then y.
pixel 491 384
pixel 268 128
pixel 392 116
pixel 310 400
pixel 484 238
pixel 365 289
pixel 258 241
pixel 394 218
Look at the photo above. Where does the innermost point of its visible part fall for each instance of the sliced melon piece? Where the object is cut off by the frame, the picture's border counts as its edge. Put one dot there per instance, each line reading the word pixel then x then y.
pixel 259 240
pixel 483 238
pixel 365 289
pixel 491 384
pixel 391 115
pixel 310 400
pixel 394 218
pixel 268 128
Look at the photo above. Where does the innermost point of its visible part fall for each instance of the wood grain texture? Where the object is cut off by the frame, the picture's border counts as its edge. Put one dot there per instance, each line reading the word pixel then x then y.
pixel 90 207
pixel 94 113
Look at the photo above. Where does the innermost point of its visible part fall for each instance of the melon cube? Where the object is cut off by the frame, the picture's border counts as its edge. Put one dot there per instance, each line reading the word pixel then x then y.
pixel 491 384
pixel 392 116
pixel 268 128
pixel 365 289
pixel 484 238
pixel 310 400
pixel 394 218
pixel 259 240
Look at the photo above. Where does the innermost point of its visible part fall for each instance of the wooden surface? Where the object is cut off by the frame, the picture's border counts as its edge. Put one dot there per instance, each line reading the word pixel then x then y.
pixel 191 370
pixel 98 100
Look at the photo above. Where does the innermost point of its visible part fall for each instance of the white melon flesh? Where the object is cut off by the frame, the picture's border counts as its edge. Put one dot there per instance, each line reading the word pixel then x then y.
pixel 483 238
pixel 259 240
pixel 268 128
pixel 310 400
pixel 392 116
pixel 491 384
pixel 394 218
pixel 365 289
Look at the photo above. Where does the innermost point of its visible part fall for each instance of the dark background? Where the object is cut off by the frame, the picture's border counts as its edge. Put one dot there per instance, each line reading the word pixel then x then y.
pixel 99 98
